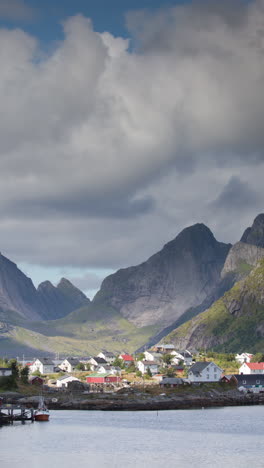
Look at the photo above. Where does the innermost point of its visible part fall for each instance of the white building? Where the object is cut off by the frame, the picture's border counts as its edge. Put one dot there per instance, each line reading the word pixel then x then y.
pixel 69 365
pixel 243 357
pixel 63 382
pixel 204 372
pixel 184 356
pixel 42 365
pixel 143 367
pixel 5 371
pixel 107 356
pixel 152 356
pixel 252 368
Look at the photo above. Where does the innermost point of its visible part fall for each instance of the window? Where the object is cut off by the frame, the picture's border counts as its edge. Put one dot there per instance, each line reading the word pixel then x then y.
pixel 257 381
pixel 244 382
pixel 208 376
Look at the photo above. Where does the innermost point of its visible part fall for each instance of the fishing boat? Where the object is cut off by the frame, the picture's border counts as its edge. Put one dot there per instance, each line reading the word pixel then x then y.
pixel 42 412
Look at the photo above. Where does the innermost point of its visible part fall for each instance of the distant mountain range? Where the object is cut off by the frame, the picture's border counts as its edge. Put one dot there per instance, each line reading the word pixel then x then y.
pixel 135 306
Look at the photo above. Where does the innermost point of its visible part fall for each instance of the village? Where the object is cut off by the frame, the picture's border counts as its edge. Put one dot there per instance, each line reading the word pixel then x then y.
pixel 162 367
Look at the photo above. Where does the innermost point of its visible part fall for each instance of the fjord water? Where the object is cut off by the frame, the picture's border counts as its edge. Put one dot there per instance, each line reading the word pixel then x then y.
pixel 189 438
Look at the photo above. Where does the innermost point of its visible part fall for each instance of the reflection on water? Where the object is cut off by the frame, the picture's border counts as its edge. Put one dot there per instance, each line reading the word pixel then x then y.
pixel 194 438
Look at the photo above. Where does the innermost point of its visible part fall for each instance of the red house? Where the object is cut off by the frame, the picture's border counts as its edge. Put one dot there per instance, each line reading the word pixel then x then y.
pixel 102 378
pixel 127 359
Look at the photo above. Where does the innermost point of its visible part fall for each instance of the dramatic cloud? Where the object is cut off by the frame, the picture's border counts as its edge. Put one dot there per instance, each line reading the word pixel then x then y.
pixel 107 152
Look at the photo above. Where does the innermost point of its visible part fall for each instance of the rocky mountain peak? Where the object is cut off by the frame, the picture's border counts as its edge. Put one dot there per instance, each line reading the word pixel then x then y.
pixel 254 235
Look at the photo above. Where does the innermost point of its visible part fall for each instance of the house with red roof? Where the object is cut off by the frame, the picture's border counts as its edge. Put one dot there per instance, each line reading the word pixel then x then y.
pixel 127 359
pixel 252 368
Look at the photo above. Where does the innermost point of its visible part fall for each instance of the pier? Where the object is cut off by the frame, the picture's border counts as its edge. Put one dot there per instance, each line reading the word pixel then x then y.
pixel 12 413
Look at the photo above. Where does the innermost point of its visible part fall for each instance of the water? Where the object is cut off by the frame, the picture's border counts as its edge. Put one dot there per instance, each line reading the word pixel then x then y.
pixel 189 438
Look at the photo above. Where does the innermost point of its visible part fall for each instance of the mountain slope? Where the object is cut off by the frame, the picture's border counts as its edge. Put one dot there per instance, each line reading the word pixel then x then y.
pixel 18 294
pixel 234 323
pixel 254 235
pixel 159 290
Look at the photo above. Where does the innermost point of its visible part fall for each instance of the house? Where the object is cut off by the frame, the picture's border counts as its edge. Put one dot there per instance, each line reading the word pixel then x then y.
pixel 97 378
pixel 171 382
pixel 143 367
pixel 152 356
pixel 64 381
pixel 164 348
pixel 42 365
pixel 204 372
pixel 250 381
pixel 107 356
pixel 96 362
pixel 104 369
pixel 243 357
pixel 127 359
pixel 178 369
pixel 184 356
pixel 35 380
pixel 5 371
pixel 69 365
pixel 252 368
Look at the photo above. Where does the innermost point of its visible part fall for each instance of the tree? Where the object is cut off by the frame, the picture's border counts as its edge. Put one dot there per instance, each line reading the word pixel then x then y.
pixel 24 374
pixel 170 372
pixel 13 365
pixel 258 357
pixel 80 366
pixel 167 358
pixel 149 373
pixel 118 362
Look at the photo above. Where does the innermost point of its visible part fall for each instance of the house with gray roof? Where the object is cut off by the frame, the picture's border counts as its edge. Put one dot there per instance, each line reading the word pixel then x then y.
pixel 204 372
pixel 69 365
pixel 42 365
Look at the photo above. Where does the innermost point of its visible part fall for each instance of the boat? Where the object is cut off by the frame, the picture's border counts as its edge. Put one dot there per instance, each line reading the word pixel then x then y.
pixel 42 412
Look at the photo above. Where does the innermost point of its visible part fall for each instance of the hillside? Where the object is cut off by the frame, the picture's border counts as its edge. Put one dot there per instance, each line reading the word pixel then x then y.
pixel 158 291
pixel 233 323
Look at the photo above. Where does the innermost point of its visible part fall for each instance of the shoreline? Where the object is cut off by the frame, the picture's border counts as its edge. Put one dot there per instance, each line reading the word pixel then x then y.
pixel 126 402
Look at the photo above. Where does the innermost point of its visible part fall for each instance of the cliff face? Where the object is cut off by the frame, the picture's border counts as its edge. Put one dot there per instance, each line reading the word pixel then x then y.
pixel 18 293
pixel 159 290
pixel 61 300
pixel 241 258
pixel 233 323
pixel 254 235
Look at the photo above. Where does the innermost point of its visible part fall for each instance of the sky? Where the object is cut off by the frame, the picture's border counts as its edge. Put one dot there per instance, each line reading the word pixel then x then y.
pixel 122 123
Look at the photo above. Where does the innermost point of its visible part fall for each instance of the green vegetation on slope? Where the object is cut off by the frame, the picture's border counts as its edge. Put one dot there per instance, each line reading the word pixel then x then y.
pixel 233 323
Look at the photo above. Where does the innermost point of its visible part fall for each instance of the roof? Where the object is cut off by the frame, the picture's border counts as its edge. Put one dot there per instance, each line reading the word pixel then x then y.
pixel 97 374
pixel 127 357
pixel 149 363
pixel 72 361
pixel 255 365
pixel 45 361
pixel 106 367
pixel 5 368
pixel 99 360
pixel 171 380
pixel 200 366
pixel 33 377
pixel 108 354
pixel 167 346
pixel 250 379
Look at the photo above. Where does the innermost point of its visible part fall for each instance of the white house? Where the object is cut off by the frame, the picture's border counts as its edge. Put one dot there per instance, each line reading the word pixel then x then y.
pixel 184 356
pixel 96 362
pixel 243 357
pixel 5 371
pixel 69 364
pixel 165 348
pixel 63 382
pixel 42 365
pixel 252 368
pixel 143 366
pixel 204 372
pixel 107 356
pixel 152 356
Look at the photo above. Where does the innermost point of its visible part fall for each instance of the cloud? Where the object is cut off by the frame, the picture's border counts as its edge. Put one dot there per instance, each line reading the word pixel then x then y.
pixel 16 10
pixel 107 153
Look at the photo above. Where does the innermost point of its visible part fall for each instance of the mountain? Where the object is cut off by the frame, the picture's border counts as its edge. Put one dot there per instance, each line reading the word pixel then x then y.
pixel 158 291
pixel 254 235
pixel 18 294
pixel 233 323
pixel 61 300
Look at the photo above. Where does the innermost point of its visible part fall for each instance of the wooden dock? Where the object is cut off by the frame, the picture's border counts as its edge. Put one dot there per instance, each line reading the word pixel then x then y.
pixel 11 413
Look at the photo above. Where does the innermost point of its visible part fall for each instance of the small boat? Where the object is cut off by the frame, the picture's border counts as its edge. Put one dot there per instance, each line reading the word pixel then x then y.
pixel 42 413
